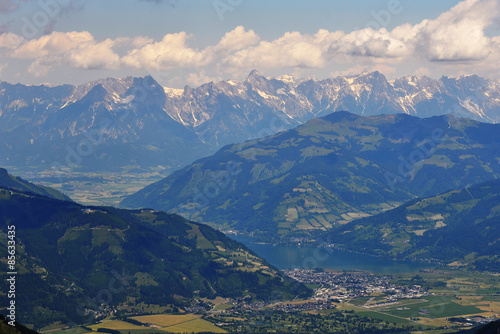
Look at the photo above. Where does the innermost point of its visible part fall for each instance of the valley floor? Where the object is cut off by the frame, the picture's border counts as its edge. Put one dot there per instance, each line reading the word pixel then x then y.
pixel 100 189
pixel 432 301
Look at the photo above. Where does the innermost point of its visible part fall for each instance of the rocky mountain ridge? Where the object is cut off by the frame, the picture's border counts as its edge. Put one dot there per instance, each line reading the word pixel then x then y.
pixel 104 124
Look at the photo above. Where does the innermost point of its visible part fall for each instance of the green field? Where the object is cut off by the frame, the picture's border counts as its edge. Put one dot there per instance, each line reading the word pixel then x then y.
pixel 384 317
pixel 194 326
pixel 223 307
pixel 115 324
pixel 491 298
pixel 437 306
pixel 360 301
pixel 160 323
pixel 180 323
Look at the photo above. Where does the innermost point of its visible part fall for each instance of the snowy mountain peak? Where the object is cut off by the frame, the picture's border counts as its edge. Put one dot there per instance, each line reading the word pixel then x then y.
pixel 255 78
pixel 288 79
pixel 173 92
pixel 254 73
pixel 219 113
pixel 111 85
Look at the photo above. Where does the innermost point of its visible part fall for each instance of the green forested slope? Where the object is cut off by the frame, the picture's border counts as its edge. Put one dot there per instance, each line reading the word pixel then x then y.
pixel 9 181
pixel 461 226
pixel 77 263
pixel 327 172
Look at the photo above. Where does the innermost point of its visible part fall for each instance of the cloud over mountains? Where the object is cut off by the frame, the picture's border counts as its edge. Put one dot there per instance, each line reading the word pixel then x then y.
pixel 458 36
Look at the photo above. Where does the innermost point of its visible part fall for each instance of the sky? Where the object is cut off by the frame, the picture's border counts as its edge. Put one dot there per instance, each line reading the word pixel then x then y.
pixel 191 42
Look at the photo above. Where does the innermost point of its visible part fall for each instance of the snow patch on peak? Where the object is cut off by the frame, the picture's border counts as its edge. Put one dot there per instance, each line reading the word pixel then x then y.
pixel 464 76
pixel 173 92
pixel 111 85
pixel 117 99
pixel 350 80
pixel 46 84
pixel 264 95
pixel 286 79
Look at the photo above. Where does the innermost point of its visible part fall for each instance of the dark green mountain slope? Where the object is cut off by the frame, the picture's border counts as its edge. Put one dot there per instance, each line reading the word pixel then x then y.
pixel 329 171
pixel 461 227
pixel 13 182
pixel 491 328
pixel 6 328
pixel 78 263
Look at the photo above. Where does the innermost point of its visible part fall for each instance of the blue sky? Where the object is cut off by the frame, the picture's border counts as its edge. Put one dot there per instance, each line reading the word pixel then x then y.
pixel 190 42
pixel 270 19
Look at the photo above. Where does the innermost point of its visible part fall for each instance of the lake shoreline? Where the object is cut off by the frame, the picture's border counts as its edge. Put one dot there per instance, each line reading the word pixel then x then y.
pixel 308 257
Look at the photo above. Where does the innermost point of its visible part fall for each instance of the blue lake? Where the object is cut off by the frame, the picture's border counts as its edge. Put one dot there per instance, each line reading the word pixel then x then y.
pixel 284 257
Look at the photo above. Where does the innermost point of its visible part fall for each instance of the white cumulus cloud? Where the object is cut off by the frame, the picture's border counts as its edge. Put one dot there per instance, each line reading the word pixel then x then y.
pixel 457 37
pixel 10 41
pixel 173 51
pixel 459 34
pixel 76 49
pixel 293 49
pixel 370 43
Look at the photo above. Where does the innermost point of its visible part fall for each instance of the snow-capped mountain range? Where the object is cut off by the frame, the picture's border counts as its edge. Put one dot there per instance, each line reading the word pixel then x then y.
pixel 106 124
